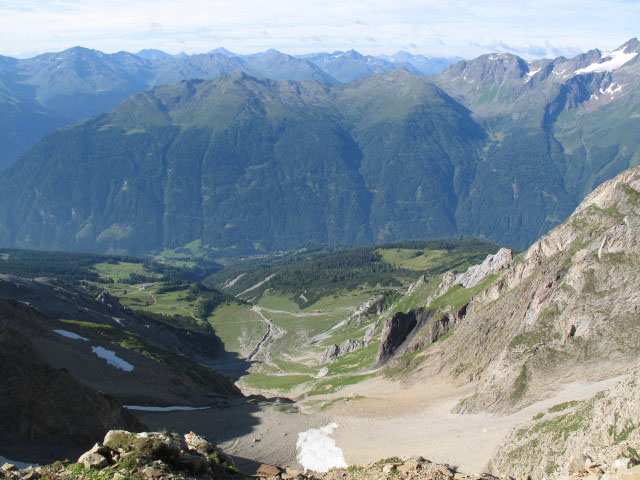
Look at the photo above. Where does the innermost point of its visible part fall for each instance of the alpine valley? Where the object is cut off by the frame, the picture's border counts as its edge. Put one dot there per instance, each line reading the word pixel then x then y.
pixel 330 266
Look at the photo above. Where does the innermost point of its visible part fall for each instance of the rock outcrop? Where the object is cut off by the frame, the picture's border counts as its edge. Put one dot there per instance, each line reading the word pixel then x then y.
pixel 395 332
pixel 492 265
pixel 334 351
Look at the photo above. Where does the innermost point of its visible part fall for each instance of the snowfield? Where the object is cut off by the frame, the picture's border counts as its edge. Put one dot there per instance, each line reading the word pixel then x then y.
pixel 615 59
pixel 317 451
pixel 112 359
pixel 73 336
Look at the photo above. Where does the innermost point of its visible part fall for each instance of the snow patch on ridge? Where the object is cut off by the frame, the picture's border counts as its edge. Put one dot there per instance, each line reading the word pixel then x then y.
pixel 615 59
pixel 317 451
pixel 112 359
pixel 71 335
pixel 531 74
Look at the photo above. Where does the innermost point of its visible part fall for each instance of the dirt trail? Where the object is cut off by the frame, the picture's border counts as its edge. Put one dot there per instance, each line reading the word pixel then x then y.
pixel 264 345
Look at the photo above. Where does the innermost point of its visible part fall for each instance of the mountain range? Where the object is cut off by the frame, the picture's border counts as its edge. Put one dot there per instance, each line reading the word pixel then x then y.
pixel 42 93
pixel 494 147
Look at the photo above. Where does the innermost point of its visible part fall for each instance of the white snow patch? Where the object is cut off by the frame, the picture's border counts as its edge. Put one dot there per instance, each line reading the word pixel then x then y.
pixel 615 59
pixel 162 409
pixel 322 372
pixel 531 74
pixel 612 90
pixel 73 336
pixel 317 451
pixel 112 359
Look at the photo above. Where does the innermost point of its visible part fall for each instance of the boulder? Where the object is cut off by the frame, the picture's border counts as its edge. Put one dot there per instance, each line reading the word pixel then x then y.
pixel 388 468
pixel 409 467
pixel 197 443
pixel 8 467
pixel 31 475
pixel 93 460
pixel 266 470
pixel 349 346
pixel 116 438
pixel 290 474
pixel 330 353
pixel 579 464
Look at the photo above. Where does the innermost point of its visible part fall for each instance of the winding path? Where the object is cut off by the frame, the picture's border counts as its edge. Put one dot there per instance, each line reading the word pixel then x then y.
pixel 265 343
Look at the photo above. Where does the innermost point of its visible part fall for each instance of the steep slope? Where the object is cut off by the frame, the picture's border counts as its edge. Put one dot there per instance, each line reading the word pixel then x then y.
pixel 566 309
pixel 45 413
pixel 117 362
pixel 58 299
pixel 241 162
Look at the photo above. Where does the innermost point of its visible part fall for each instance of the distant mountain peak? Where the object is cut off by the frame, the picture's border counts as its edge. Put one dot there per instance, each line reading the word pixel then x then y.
pixel 222 51
pixel 152 54
pixel 633 45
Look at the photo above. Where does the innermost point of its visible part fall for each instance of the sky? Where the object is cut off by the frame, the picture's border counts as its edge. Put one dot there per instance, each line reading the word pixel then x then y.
pixel 532 29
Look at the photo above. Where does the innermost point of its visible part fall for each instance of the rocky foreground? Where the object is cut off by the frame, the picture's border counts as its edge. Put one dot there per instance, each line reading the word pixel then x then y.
pixel 168 456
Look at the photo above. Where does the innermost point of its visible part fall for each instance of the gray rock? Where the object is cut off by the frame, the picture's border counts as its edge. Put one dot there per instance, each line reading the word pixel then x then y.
pixel 266 470
pixel 390 467
pixel 93 460
pixel 368 334
pixel 31 475
pixel 198 444
pixel 330 353
pixel 491 265
pixel 349 346
pixel 579 464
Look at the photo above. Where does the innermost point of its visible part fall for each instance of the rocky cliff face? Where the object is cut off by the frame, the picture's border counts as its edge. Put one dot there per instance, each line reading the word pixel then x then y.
pixel 45 413
pixel 570 304
pixel 567 308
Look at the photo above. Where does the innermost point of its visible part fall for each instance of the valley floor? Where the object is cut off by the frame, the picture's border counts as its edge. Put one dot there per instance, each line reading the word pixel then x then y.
pixel 382 419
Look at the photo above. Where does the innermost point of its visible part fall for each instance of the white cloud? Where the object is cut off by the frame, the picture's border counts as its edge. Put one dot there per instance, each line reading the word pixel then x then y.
pixel 456 27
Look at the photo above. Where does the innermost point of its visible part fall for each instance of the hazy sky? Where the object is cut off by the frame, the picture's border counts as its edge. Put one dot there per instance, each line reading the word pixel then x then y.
pixel 540 28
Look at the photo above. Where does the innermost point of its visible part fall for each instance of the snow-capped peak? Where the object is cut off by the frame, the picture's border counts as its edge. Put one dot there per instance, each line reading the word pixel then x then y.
pixel 613 60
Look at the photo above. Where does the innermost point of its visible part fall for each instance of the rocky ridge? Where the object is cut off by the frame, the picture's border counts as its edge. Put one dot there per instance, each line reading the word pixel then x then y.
pixel 565 309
